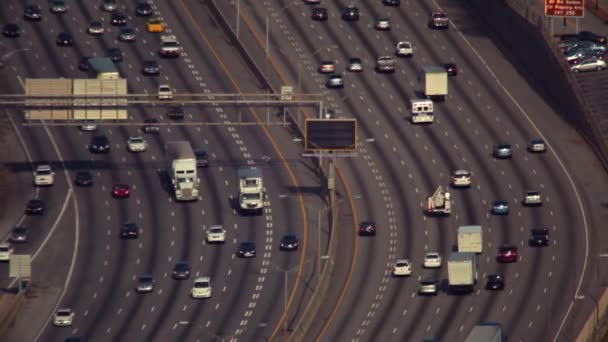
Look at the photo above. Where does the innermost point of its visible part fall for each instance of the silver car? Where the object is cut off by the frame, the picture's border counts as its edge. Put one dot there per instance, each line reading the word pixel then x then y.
pixel 428 287
pixel 335 81
pixel 503 151
pixel 589 65
pixel 126 35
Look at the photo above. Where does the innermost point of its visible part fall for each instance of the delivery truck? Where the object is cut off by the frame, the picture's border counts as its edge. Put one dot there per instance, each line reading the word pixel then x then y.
pixel 435 83
pixel 485 332
pixel 462 272
pixel 470 239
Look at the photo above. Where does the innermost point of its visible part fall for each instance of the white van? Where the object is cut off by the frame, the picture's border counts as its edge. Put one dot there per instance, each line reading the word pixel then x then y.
pixel 422 111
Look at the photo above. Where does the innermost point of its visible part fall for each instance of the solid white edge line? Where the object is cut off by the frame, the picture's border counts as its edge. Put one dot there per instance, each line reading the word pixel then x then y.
pixel 57 220
pixel 578 198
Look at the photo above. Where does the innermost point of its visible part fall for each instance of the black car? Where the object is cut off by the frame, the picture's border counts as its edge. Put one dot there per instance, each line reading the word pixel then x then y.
pixel 151 68
pixel 129 231
pixel 495 282
pixel 99 144
pixel 118 19
pixel 32 12
pixel 350 13
pixel 176 113
pixel 319 13
pixel 58 7
pixel 289 242
pixel 11 30
pixel 539 237
pixel 181 270
pixel 367 228
pixel 19 234
pixel 592 37
pixel 115 54
pixel 246 250
pixel 83 178
pixel 83 64
pixel 202 158
pixel 65 39
pixel 451 69
pixel 143 9
pixel 151 126
pixel 391 2
pixel 34 207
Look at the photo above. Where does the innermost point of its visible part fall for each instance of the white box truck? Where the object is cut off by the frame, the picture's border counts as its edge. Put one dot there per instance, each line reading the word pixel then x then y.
pixel 422 111
pixel 104 68
pixel 182 170
pixel 435 83
pixel 485 332
pixel 470 239
pixel 462 272
pixel 251 191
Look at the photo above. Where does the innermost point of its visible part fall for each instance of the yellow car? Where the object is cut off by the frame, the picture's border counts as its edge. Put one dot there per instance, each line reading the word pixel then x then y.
pixel 155 25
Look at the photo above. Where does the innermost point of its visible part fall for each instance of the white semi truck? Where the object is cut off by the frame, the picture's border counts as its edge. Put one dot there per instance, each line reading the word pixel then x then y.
pixel 462 272
pixel 251 191
pixel 435 83
pixel 439 203
pixel 470 239
pixel 182 170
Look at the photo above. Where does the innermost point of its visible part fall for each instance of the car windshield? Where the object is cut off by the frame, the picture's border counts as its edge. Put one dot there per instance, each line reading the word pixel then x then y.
pixel 4 248
pixel 201 284
pixel 63 313
pixel 182 267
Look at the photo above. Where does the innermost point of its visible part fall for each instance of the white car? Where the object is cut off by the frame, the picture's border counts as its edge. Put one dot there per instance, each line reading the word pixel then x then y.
pixel 432 260
pixel 461 178
pixel 355 64
pixel 402 268
pixel 95 28
pixel 216 233
pixel 590 65
pixel 201 287
pixel 165 92
pixel 428 286
pixel 404 49
pixel 382 24
pixel 63 317
pixel 88 126
pixel 532 197
pixel 137 144
pixel 5 252
pixel 44 175
pixel 537 146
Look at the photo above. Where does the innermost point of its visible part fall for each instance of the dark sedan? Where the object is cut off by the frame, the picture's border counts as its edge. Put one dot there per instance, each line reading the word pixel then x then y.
pixel 32 12
pixel 115 54
pixel 118 19
pixel 367 228
pixel 19 234
pixel 289 243
pixel 11 30
pixel 176 113
pixel 539 237
pixel 319 13
pixel 84 178
pixel 451 69
pixel 65 39
pixel 151 68
pixel 143 9
pixel 495 282
pixel 181 270
pixel 592 37
pixel 129 231
pixel 246 250
pixel 34 207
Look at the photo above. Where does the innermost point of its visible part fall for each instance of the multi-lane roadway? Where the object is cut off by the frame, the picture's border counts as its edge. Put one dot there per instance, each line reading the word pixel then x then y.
pixel 93 272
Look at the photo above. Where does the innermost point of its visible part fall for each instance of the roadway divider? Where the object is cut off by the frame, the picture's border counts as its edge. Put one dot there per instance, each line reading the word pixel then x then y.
pixel 251 51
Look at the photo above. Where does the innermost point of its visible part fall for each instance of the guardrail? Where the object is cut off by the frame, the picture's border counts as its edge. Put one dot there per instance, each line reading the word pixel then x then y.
pixel 251 52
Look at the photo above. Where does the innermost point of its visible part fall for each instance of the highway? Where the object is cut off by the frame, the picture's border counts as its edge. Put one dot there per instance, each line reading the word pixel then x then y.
pixel 397 166
pixel 101 285
pixel 481 110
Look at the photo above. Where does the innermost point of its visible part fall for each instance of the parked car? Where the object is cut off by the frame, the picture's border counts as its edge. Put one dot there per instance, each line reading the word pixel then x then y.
pixel 589 65
pixel 590 36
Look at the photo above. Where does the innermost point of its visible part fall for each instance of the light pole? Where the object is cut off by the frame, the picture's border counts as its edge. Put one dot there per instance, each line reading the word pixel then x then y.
pixel 319 238
pixel 285 273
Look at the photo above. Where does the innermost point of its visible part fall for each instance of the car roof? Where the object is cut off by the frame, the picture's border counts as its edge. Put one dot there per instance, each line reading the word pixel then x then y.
pixel 64 310
pixel 202 279
pixel 402 261
pixel 540 231
pixel 462 172
pixel 433 254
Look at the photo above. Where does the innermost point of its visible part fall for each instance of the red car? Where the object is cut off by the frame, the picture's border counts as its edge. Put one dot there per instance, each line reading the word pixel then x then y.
pixel 507 253
pixel 121 190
